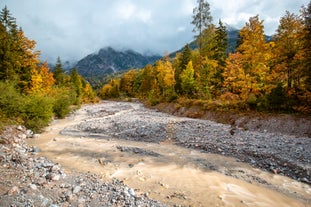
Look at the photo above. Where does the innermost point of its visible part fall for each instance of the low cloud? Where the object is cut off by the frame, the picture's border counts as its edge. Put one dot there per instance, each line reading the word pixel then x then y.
pixel 73 29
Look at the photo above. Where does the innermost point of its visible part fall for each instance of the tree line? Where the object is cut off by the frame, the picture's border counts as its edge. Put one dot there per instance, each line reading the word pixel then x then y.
pixel 30 93
pixel 269 75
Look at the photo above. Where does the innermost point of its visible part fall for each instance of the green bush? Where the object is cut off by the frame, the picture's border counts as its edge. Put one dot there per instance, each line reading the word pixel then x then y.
pixel 276 100
pixel 62 103
pixel 38 112
pixel 153 98
pixel 11 101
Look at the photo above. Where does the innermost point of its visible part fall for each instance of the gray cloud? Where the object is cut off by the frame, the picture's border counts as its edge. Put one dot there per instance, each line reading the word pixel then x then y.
pixel 72 29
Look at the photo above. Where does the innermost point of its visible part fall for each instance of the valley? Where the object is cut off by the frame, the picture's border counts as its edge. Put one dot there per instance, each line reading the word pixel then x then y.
pixel 144 149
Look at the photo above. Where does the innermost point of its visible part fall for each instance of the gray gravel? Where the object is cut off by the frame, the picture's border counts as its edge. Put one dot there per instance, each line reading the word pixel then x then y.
pixel 275 152
pixel 32 181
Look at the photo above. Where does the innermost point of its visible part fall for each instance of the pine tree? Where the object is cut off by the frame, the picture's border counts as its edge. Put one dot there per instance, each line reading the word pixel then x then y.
pixel 307 44
pixel 220 55
pixel 8 55
pixel 58 72
pixel 77 80
pixel 202 19
pixel 184 59
pixel 8 21
pixel 221 38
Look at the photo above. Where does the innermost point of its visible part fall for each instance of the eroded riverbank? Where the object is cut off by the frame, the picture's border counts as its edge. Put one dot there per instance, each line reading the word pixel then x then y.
pixel 141 146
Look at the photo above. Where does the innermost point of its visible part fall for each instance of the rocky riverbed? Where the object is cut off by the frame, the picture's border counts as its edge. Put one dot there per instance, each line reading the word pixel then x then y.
pixel 29 180
pixel 275 152
pixel 123 154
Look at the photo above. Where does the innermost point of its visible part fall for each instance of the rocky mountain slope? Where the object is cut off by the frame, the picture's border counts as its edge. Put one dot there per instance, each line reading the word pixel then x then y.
pixel 109 60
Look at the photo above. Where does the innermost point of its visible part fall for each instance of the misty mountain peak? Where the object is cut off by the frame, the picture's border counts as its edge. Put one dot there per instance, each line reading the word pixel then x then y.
pixel 109 60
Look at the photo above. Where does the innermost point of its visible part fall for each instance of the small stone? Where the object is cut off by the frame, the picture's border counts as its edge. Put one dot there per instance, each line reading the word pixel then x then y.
pixel 13 190
pixel 35 149
pixel 131 192
pixel 69 198
pixel 81 200
pixel 304 180
pixel 35 135
pixel 20 128
pixel 33 186
pixel 29 133
pixel 55 168
pixel 76 189
pixel 275 171
pixel 52 176
pixel 56 177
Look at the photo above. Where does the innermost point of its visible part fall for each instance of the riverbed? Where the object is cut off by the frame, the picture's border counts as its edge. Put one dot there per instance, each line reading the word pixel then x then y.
pixel 178 160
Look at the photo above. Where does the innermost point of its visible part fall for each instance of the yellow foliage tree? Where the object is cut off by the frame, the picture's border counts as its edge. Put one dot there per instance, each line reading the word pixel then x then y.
pixel 256 55
pixel 188 84
pixel 41 79
pixel 127 82
pixel 289 51
pixel 165 77
pixel 88 94
pixel 235 79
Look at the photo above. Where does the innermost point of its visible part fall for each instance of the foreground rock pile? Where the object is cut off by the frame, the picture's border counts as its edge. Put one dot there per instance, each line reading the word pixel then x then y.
pixel 27 180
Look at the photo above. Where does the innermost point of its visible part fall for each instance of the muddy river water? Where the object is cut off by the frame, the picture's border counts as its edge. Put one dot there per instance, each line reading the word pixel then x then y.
pixel 162 170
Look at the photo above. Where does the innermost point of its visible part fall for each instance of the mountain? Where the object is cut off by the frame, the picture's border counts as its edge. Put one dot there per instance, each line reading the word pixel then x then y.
pixel 233 36
pixel 109 60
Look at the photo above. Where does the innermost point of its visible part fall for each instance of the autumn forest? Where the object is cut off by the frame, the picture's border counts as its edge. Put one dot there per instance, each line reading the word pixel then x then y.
pixel 30 93
pixel 260 75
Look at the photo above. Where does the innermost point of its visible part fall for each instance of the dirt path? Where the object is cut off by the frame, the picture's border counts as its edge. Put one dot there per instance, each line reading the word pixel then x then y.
pixel 107 139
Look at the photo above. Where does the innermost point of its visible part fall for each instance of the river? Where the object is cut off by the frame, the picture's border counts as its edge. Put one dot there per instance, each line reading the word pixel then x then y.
pixel 162 170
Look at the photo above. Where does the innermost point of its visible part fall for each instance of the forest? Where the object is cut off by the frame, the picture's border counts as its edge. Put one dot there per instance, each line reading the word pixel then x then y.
pixel 31 94
pixel 261 75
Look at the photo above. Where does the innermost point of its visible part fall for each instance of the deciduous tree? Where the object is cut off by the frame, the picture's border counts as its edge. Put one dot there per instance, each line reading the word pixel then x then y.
pixel 188 84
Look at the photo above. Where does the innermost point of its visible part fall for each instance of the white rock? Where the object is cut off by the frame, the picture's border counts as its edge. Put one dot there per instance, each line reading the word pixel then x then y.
pixel 76 189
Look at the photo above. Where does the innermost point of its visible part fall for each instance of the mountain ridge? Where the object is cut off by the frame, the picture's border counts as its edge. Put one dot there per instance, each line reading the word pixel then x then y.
pixel 109 60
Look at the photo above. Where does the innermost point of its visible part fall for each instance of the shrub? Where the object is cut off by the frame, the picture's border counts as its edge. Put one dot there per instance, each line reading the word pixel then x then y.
pixel 276 100
pixel 153 98
pixel 62 103
pixel 38 111
pixel 11 101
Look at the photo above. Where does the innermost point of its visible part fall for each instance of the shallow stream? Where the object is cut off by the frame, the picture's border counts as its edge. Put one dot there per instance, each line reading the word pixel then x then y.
pixel 165 171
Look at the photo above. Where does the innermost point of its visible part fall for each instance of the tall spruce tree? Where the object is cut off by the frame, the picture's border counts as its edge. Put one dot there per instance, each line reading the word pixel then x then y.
pixel 58 72
pixel 220 55
pixel 307 22
pixel 202 19
pixel 8 21
pixel 7 45
pixel 221 38
pixel 183 62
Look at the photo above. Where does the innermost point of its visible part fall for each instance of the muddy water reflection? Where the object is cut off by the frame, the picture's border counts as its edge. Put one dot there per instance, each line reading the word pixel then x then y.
pixel 173 175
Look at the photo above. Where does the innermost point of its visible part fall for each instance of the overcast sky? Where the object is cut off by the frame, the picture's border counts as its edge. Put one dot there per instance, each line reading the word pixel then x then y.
pixel 73 29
